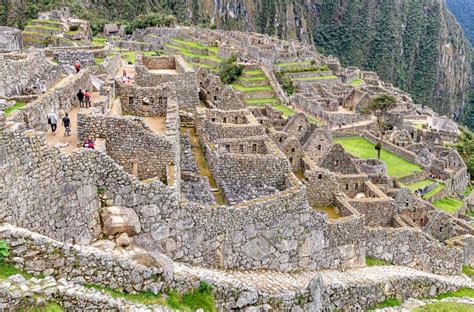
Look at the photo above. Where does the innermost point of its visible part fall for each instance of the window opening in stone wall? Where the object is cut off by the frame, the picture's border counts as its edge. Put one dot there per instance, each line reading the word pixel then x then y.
pixel 293 150
pixel 241 148
pixel 236 120
pixel 227 147
pixel 300 128
pixel 254 147
pixel 130 100
pixel 224 120
pixel 320 176
pixel 281 139
pixel 319 147
pixel 347 187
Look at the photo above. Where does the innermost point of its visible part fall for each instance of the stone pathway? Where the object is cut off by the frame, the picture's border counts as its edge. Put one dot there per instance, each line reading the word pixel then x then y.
pixel 273 282
pixel 67 144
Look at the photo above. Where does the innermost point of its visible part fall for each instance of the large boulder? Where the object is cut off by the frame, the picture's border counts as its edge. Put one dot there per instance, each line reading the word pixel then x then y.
pixel 118 220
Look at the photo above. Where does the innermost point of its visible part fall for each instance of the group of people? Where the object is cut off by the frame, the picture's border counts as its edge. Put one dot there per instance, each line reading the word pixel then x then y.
pixel 84 98
pixel 53 122
pixel 126 78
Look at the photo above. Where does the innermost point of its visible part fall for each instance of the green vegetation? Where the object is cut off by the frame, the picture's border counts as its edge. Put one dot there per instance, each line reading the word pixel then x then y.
pixel 460 293
pixel 316 78
pixel 434 191
pixel 241 88
pixel 387 303
pixel 18 105
pixel 448 204
pixel 196 45
pixel 128 56
pixel 99 60
pixel 256 78
pixel 465 147
pixel 4 250
pixel 290 64
pixel 419 184
pixel 255 72
pixel 7 270
pixel 261 101
pixel 50 306
pixel 33 28
pixel 150 20
pixel 229 70
pixel 200 298
pixel 186 52
pixel 304 69
pixel 288 86
pixel 99 41
pixel 466 269
pixel 468 190
pixel 445 307
pixel 356 82
pixel 375 262
pixel 397 167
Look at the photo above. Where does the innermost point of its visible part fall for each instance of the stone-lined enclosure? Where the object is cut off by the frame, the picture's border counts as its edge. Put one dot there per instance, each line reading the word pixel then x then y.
pixel 187 173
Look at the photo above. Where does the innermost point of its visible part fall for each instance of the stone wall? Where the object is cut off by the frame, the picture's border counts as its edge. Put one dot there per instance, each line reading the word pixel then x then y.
pixel 397 150
pixel 63 98
pixel 10 39
pixel 413 248
pixel 162 62
pixel 70 58
pixel 22 74
pixel 129 141
pixel 40 255
pixel 145 101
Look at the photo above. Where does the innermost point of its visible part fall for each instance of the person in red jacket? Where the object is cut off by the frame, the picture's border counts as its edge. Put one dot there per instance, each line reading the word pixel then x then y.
pixel 78 67
pixel 87 97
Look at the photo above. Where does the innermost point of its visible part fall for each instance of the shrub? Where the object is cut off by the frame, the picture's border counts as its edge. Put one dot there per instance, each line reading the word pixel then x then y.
pixel 213 26
pixel 205 288
pixel 4 250
pixel 229 70
pixel 288 86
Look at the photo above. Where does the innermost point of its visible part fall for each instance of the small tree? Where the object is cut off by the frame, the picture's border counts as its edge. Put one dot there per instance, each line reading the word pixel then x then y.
pixel 379 106
pixel 229 70
pixel 288 86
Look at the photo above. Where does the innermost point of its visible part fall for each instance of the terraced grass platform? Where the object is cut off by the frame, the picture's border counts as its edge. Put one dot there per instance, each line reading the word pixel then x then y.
pixel 241 88
pixel 316 78
pixel 360 147
pixel 448 204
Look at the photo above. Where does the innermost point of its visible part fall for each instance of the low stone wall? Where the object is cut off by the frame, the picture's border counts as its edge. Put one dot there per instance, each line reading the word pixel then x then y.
pixel 377 211
pixel 161 62
pixel 15 293
pixel 129 140
pixel 413 248
pixel 145 101
pixel 85 58
pixel 40 255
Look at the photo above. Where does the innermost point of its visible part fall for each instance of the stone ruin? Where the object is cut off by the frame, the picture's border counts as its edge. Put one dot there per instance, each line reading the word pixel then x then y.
pixel 187 184
pixel 10 39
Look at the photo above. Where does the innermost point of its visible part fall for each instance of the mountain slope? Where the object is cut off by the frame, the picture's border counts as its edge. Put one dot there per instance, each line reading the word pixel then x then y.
pixel 463 10
pixel 417 45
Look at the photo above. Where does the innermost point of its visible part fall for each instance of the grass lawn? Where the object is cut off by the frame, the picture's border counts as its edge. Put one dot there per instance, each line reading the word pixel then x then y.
pixel 293 64
pixel 356 82
pixel 186 52
pixel 257 78
pixel 448 204
pixel 256 72
pixel 287 112
pixel 375 262
pixel 434 191
pixel 387 303
pixel 98 60
pixel 419 184
pixel 316 78
pixel 128 56
pixel 445 307
pixel 98 41
pixel 262 101
pixel 241 88
pixel 466 269
pixel 397 167
pixel 18 105
pixel 468 190
pixel 195 45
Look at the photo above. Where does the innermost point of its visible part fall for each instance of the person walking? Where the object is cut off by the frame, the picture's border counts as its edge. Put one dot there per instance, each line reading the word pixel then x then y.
pixel 80 97
pixel 78 67
pixel 53 121
pixel 67 125
pixel 87 97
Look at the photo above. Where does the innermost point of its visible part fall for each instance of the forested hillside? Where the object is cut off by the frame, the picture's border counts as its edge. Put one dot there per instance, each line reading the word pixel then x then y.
pixel 463 10
pixel 417 45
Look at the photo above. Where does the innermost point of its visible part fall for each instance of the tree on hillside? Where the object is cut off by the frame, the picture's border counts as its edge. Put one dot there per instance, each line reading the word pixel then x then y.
pixel 380 106
pixel 229 70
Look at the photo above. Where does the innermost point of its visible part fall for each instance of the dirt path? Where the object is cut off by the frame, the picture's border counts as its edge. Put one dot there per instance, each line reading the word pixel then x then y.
pixel 67 144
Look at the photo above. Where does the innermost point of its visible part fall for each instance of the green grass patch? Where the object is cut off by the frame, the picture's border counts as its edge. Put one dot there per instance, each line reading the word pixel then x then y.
pixel 445 307
pixel 375 262
pixel 241 88
pixel 186 52
pixel 98 41
pixel 316 78
pixel 50 306
pixel 466 269
pixel 7 270
pixel 257 78
pixel 47 22
pixel 397 167
pixel 356 82
pixel 289 64
pixel 287 112
pixel 196 45
pixel 313 120
pixel 128 56
pixel 262 101
pixel 255 72
pixel 18 105
pixel 99 60
pixel 419 184
pixel 448 204
pixel 460 293
pixel 468 190
pixel 434 191
pixel 40 27
pixel 387 303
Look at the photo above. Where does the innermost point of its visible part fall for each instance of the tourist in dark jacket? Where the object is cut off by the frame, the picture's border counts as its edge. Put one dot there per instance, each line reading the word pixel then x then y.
pixel 80 97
